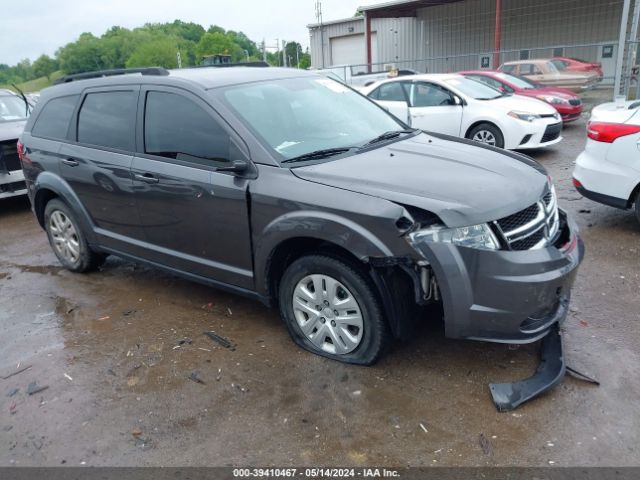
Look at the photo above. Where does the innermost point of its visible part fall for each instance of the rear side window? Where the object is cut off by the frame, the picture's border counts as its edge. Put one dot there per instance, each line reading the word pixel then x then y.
pixel 107 119
pixel 178 128
pixel 392 92
pixel 53 121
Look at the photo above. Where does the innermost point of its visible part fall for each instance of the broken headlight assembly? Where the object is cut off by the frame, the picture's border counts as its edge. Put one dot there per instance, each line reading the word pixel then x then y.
pixel 475 236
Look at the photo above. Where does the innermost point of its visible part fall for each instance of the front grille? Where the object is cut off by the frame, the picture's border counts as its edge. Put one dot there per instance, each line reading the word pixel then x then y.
pixel 9 156
pixel 534 227
pixel 575 102
pixel 551 132
pixel 518 219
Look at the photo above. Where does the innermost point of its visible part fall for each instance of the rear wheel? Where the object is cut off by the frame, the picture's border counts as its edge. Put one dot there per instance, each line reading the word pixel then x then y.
pixel 331 309
pixel 487 134
pixel 67 239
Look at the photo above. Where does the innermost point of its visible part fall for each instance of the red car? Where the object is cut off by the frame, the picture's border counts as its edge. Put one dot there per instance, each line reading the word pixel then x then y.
pixel 567 103
pixel 577 65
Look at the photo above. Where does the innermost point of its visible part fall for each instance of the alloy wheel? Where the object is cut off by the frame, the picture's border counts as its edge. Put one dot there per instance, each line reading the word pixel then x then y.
pixel 485 136
pixel 64 235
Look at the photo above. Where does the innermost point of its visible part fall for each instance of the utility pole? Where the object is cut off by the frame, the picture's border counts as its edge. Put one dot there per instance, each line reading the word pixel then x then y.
pixel 298 47
pixel 319 20
pixel 278 50
pixel 179 59
pixel 264 51
pixel 284 53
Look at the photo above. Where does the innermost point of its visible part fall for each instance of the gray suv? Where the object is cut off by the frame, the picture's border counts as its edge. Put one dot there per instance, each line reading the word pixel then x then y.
pixel 293 189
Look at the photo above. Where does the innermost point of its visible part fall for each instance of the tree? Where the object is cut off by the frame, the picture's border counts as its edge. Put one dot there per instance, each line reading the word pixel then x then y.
pixel 218 44
pixel 44 66
pixel 159 52
pixel 83 55
pixel 293 51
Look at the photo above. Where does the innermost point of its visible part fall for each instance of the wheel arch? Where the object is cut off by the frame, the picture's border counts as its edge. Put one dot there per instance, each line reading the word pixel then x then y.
pixel 49 186
pixel 480 122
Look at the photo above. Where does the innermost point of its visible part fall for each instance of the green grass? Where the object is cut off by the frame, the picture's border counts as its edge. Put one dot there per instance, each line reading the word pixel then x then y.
pixel 36 84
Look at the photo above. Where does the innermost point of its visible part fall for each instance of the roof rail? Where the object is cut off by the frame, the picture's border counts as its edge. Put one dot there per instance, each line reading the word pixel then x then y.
pixel 259 63
pixel 108 73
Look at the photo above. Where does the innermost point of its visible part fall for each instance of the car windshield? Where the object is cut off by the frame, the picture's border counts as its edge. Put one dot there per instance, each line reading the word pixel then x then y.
pixel 473 88
pixel 517 81
pixel 298 116
pixel 12 108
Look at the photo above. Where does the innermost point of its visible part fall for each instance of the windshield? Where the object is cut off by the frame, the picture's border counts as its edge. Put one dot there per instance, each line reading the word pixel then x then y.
pixel 517 81
pixel 12 108
pixel 298 116
pixel 473 88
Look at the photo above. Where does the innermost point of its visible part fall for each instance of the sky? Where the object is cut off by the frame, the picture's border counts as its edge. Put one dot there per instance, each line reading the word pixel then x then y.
pixel 29 28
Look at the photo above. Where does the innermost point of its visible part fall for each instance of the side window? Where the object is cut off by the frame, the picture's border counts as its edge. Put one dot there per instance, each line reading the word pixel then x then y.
pixel 107 119
pixel 391 92
pixel 375 95
pixel 509 69
pixel 430 95
pixel 177 127
pixel 53 121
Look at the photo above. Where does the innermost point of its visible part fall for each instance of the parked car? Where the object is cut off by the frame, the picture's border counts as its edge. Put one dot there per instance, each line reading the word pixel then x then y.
pixel 576 65
pixel 462 107
pixel 13 116
pixel 567 103
pixel 300 192
pixel 608 170
pixel 544 72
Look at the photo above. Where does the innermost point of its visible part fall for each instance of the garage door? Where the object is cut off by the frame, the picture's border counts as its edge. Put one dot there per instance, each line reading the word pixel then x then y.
pixel 348 50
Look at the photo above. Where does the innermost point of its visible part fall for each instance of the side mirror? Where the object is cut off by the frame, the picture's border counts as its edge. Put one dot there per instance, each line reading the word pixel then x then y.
pixel 237 166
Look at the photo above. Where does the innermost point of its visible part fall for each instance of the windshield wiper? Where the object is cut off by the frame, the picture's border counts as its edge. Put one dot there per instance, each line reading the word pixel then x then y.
pixel 388 135
pixel 317 154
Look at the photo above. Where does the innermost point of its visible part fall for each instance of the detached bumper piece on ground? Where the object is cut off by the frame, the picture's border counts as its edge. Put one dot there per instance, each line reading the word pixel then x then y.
pixel 550 372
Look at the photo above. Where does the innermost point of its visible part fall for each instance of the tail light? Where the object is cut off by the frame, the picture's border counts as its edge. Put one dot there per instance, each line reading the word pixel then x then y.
pixel 608 132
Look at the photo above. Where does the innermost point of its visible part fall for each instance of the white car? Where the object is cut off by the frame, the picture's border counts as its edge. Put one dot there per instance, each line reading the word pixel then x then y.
pixel 608 170
pixel 462 107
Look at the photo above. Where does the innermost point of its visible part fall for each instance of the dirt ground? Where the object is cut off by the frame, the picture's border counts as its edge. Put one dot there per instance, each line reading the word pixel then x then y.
pixel 116 349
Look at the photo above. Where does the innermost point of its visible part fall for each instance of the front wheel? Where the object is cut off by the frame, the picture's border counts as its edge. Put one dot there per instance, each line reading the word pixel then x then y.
pixel 488 134
pixel 331 309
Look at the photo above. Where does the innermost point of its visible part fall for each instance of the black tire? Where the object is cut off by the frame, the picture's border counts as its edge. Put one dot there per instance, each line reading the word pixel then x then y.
pixel 87 259
pixel 375 334
pixel 488 127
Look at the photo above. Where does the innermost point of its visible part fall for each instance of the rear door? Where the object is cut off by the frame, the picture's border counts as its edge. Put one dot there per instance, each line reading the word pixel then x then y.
pixel 97 162
pixel 434 108
pixel 394 98
pixel 195 218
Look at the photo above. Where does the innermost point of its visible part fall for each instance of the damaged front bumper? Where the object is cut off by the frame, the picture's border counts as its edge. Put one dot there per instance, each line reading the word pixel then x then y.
pixel 506 296
pixel 511 297
pixel 550 372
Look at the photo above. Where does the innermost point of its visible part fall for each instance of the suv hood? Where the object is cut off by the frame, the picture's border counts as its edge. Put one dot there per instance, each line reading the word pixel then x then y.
pixel 458 180
pixel 11 130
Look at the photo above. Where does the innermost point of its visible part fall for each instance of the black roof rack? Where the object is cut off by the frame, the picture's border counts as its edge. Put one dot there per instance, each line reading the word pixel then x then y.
pixel 108 73
pixel 259 63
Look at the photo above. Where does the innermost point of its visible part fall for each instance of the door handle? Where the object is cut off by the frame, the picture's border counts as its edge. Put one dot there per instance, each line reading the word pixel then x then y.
pixel 146 178
pixel 70 162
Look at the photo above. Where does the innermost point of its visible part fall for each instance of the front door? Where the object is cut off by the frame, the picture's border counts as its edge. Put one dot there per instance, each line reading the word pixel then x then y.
pixel 195 218
pixel 434 108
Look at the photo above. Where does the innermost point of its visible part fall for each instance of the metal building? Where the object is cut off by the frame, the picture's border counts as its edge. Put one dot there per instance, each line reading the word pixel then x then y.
pixel 451 35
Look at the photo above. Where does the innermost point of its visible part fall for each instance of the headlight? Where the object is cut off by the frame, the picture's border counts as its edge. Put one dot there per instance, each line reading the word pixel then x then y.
pixel 553 99
pixel 526 116
pixel 475 236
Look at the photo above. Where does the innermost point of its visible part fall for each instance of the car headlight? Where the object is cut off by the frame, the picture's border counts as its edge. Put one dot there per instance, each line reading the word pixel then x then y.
pixel 552 99
pixel 526 116
pixel 475 236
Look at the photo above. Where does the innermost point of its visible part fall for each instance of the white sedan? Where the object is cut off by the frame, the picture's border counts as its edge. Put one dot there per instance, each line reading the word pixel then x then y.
pixel 462 107
pixel 608 171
